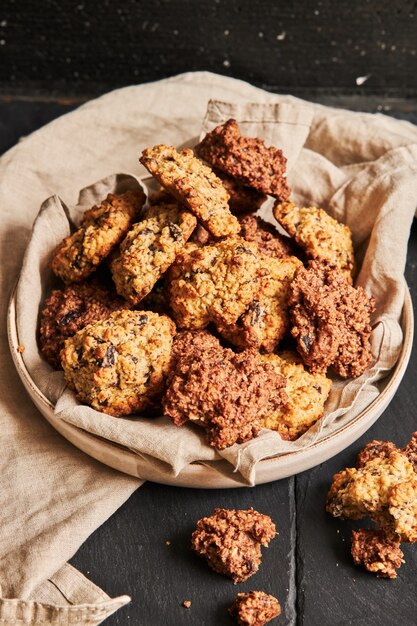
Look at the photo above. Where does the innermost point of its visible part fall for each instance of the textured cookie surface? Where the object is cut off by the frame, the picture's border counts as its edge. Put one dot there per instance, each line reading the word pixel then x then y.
pixel 255 608
pixel 266 237
pixel 321 236
pixel 149 249
pixel 266 320
pixel 119 365
pixel 101 229
pixel 377 552
pixel 245 159
pixel 230 541
pixel 193 184
pixel 226 393
pixel 306 394
pixel 70 309
pixel 213 283
pixel 330 321
pixel 242 199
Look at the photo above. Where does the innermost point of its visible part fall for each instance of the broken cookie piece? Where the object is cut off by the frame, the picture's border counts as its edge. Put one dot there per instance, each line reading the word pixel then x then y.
pixel 228 394
pixel 374 450
pixel 378 552
pixel 255 608
pixel 230 541
pixel 246 159
pixel 331 321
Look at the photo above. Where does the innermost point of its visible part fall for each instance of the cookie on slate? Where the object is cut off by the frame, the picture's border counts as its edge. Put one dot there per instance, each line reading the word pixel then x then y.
pixel 322 237
pixel 266 237
pixel 193 184
pixel 330 321
pixel 411 450
pixel 213 283
pixel 101 229
pixel 230 541
pixel 70 309
pixel 375 450
pixel 226 393
pixel 149 249
pixel 245 159
pixel 119 365
pixel 255 608
pixel 377 552
pixel 305 396
pixel 266 320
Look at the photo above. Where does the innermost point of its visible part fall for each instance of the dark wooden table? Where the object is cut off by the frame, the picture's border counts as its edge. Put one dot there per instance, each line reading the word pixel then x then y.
pixel 360 55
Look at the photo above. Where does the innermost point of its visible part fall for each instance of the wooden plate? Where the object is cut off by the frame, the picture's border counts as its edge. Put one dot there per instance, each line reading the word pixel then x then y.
pixel 220 474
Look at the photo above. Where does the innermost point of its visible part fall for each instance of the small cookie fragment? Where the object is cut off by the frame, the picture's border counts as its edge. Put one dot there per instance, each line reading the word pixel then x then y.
pixel 411 450
pixel 255 608
pixel 70 309
pixel 331 321
pixel 149 249
pixel 213 283
pixel 193 184
pixel 378 552
pixel 320 235
pixel 266 237
pixel 241 199
pixel 230 541
pixel 306 394
pixel 119 365
pixel 266 320
pixel 245 159
pixel 373 450
pixel 226 393
pixel 101 229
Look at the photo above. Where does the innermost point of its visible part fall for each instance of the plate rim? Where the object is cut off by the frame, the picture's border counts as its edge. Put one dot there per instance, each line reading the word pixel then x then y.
pixel 222 475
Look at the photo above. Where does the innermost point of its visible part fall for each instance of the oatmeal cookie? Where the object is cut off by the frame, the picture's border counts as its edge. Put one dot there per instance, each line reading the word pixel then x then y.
pixel 331 321
pixel 101 229
pixel 266 237
pixel 305 396
pixel 213 283
pixel 411 450
pixel 228 394
pixel 193 184
pixel 241 199
pixel 385 489
pixel 149 249
pixel 255 608
pixel 378 552
pixel 266 320
pixel 245 159
pixel 322 237
pixel 374 450
pixel 70 309
pixel 230 541
pixel 119 365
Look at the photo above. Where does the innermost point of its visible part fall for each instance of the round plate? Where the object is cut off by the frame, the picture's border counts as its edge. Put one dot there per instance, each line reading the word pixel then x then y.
pixel 220 473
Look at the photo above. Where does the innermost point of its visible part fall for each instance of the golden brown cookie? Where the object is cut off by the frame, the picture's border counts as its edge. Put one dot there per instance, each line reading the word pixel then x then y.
pixel 149 248
pixel 322 237
pixel 213 283
pixel 119 365
pixel 305 396
pixel 255 608
pixel 245 159
pixel 193 184
pixel 266 320
pixel 101 229
pixel 230 541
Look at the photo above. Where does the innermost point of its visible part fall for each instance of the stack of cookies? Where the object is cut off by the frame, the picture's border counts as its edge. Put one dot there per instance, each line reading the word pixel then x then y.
pixel 189 301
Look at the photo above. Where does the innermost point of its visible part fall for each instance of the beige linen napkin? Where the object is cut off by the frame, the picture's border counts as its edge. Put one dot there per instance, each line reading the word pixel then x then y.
pixel 360 167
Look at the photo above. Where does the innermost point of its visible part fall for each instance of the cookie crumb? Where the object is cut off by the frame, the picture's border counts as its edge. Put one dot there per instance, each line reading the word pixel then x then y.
pixel 167 542
pixel 21 348
pixel 187 604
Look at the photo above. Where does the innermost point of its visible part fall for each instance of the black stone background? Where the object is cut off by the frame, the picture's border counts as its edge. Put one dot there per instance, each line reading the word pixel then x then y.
pixel 54 55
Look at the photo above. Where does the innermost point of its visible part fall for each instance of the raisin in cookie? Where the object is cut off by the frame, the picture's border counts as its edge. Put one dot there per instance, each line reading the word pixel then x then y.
pixel 305 396
pixel 245 159
pixel 149 249
pixel 330 321
pixel 322 237
pixel 193 184
pixel 213 283
pixel 119 365
pixel 230 541
pixel 101 229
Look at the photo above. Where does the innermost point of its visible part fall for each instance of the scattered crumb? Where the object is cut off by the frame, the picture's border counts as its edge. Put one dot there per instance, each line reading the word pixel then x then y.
pixel 167 542
pixel 187 604
pixel 362 79
pixel 20 348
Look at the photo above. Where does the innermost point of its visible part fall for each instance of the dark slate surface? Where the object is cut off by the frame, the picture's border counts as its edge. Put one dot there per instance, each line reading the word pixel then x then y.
pixel 307 566
pixel 79 47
